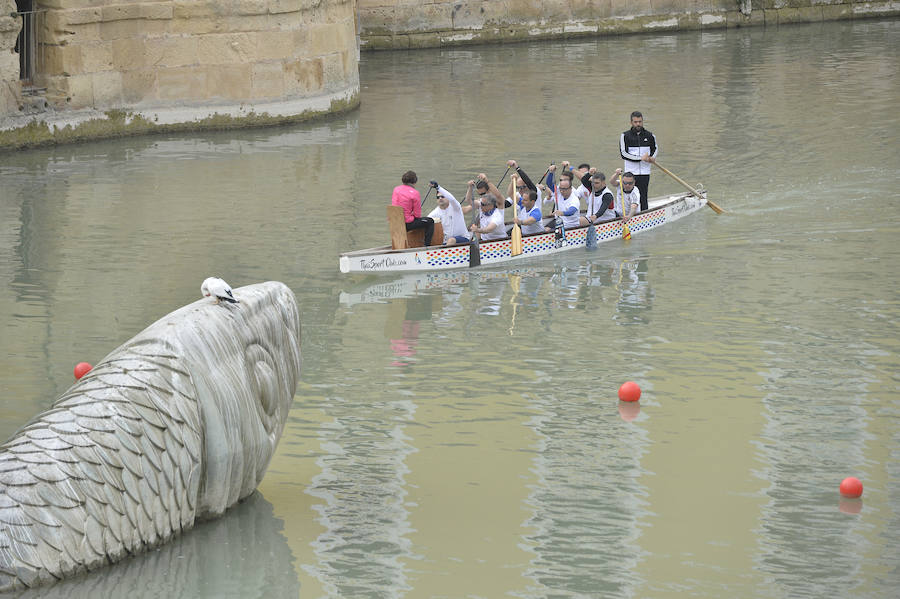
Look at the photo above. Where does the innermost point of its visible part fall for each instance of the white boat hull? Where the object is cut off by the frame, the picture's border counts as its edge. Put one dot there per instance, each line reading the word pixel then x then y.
pixel 662 211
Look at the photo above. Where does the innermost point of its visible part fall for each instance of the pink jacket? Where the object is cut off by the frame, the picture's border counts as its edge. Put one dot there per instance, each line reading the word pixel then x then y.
pixel 409 199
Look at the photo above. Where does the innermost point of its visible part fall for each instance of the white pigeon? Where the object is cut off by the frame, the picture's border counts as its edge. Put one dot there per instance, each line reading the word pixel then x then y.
pixel 216 287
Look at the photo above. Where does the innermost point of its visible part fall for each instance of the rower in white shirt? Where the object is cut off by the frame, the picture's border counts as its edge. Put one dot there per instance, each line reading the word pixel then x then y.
pixel 451 215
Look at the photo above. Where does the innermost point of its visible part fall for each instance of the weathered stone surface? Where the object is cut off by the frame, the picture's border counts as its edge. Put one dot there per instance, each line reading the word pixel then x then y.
pixel 277 45
pixel 139 86
pixel 229 82
pixel 97 57
pixel 836 12
pixel 405 24
pixel 107 86
pixel 178 83
pixel 304 76
pixel 174 426
pixel 226 49
pixel 63 60
pixel 77 89
pixel 133 28
pixel 170 52
pixel 267 80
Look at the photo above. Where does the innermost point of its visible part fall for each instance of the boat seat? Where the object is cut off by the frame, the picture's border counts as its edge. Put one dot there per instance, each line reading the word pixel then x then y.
pixel 398 228
pixel 402 239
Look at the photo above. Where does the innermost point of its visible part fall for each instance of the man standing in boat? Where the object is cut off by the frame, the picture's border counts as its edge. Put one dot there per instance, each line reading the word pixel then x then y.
pixel 407 197
pixel 638 149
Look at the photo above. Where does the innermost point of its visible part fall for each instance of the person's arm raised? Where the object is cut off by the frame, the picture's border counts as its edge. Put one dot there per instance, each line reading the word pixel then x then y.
pixel 525 178
pixel 447 194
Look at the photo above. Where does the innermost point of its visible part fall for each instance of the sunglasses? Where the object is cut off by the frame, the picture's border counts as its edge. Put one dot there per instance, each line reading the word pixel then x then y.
pixel 440 197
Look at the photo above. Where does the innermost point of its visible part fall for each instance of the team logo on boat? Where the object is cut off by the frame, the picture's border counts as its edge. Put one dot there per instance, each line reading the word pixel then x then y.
pixel 386 262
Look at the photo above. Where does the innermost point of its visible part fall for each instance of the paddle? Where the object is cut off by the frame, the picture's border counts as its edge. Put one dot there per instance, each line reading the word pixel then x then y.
pixel 626 232
pixel 558 224
pixel 514 281
pixel 591 239
pixel 474 250
pixel 516 233
pixel 503 177
pixel 709 202
pixel 545 174
pixel 422 204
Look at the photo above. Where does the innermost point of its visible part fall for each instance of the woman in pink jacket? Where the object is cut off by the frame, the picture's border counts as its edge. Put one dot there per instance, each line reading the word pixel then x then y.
pixel 407 197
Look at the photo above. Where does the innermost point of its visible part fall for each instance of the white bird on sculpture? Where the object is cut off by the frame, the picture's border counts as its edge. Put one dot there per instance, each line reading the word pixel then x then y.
pixel 216 287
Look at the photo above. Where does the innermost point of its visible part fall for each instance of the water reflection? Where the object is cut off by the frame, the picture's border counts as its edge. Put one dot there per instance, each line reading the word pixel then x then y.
pixel 635 296
pixel 588 500
pixel 575 284
pixel 629 410
pixel 403 331
pixel 819 549
pixel 362 486
pixel 850 505
pixel 242 554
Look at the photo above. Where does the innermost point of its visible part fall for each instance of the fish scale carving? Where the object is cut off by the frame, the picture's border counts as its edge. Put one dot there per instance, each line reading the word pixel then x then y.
pixel 101 459
pixel 175 426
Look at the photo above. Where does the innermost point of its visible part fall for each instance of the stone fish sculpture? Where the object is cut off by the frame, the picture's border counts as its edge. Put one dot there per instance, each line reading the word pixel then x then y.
pixel 174 426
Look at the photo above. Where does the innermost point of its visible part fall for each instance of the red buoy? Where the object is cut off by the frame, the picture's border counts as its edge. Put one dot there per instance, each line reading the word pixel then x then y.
pixel 81 369
pixel 629 391
pixel 851 487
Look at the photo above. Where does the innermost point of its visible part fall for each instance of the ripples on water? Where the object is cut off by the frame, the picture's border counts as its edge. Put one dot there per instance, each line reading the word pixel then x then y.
pixel 459 434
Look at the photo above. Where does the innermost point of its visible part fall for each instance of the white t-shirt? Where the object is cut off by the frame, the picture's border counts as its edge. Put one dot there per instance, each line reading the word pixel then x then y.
pixel 633 197
pixel 564 204
pixel 452 219
pixel 583 192
pixel 536 226
pixel 496 217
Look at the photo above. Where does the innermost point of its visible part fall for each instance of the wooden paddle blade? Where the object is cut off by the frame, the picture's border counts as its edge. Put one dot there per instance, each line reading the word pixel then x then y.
pixel 715 208
pixel 626 232
pixel 709 203
pixel 591 241
pixel 516 239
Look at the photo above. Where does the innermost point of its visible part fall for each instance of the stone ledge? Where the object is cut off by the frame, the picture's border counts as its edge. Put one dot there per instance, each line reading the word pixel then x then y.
pixel 76 126
pixel 380 30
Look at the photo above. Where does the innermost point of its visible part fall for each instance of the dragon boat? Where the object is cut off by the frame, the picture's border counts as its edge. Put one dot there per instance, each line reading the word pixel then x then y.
pixel 661 211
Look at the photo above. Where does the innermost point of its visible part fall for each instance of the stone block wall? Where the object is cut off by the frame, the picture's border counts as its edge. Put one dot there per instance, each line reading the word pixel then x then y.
pixel 9 61
pixel 171 52
pixel 173 61
pixel 395 24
